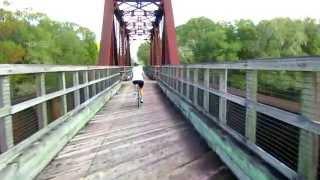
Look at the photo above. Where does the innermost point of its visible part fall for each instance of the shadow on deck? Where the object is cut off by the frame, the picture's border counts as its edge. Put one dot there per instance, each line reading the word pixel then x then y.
pixel 124 142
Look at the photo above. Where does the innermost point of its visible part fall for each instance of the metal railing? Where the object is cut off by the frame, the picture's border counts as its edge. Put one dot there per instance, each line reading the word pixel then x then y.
pixel 36 97
pixel 249 101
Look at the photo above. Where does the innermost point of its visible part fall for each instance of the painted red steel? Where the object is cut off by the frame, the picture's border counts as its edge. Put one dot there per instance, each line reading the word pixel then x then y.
pixel 155 47
pixel 116 50
pixel 171 49
pixel 106 50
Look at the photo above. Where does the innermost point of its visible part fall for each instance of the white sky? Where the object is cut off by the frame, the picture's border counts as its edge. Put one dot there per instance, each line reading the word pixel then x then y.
pixel 89 13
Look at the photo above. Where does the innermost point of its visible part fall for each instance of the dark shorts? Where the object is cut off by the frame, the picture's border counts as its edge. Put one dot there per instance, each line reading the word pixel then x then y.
pixel 140 83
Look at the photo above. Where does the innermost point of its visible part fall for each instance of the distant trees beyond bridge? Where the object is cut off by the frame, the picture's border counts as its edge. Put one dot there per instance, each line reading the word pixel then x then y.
pixel 203 40
pixel 33 38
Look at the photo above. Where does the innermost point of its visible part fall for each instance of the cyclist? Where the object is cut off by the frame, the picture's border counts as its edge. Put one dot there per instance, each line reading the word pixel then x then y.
pixel 137 78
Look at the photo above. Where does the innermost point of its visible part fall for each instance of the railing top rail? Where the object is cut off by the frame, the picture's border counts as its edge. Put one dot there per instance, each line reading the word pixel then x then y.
pixel 12 69
pixel 288 64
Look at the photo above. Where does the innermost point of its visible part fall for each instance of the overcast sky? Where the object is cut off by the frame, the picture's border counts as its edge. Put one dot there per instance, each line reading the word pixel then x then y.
pixel 88 13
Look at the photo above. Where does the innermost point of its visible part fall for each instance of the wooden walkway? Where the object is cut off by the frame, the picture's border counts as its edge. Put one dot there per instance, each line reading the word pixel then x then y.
pixel 124 142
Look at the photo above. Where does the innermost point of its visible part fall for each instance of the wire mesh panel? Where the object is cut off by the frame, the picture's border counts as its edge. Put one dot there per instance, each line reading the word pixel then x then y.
pixel 69 79
pixel 280 89
pixel 115 79
pixel 97 74
pixel 279 139
pixel 191 93
pixel 54 109
pixel 214 105
pixel 200 97
pixel 174 78
pixel 200 79
pixel 236 117
pixel 191 87
pixel 23 88
pixel 237 82
pixel 103 75
pixel 24 124
pixel 82 96
pixel 70 102
pixel 91 75
pixel 184 89
pixel 184 74
pixel 104 83
pixel 98 85
pixel 91 93
pixel 214 79
pixel 82 77
pixel 53 82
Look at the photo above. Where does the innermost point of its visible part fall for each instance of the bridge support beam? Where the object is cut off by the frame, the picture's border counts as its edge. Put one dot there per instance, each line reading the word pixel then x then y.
pixel 170 49
pixel 124 54
pixel 107 36
pixel 155 47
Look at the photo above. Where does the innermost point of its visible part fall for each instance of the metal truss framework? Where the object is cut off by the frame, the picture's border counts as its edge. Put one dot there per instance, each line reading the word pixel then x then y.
pixel 128 20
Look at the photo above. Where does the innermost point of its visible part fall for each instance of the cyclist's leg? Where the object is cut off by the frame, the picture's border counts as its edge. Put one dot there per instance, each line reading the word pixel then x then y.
pixel 141 85
pixel 136 86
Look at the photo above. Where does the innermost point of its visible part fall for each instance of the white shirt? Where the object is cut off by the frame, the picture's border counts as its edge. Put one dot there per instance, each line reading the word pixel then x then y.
pixel 137 73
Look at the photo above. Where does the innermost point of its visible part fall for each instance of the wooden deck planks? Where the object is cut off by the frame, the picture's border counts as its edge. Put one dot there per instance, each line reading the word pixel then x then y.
pixel 124 142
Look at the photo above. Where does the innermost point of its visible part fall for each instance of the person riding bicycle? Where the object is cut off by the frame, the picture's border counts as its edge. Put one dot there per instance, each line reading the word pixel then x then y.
pixel 137 78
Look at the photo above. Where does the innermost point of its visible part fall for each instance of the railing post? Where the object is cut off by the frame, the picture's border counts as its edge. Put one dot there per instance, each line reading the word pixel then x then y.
pixel 175 74
pixel 6 134
pixel 180 78
pixel 86 89
pixel 251 113
pixel 170 73
pixel 189 81
pixel 98 85
pixel 94 86
pixel 206 96
pixel 195 88
pixel 223 83
pixel 309 142
pixel 64 108
pixel 42 108
pixel 77 92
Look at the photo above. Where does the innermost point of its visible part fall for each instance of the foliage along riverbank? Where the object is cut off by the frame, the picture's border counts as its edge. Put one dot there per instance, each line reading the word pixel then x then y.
pixel 27 37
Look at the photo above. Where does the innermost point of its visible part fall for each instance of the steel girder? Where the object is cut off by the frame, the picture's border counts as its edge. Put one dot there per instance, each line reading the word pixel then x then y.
pixel 126 20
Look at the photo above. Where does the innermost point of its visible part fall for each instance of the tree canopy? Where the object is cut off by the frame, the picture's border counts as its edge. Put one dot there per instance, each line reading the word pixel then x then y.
pixel 144 53
pixel 33 38
pixel 203 40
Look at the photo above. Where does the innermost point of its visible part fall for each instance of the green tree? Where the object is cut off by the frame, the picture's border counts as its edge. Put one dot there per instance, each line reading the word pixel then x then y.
pixel 248 36
pixel 11 52
pixel 33 38
pixel 144 53
pixel 312 31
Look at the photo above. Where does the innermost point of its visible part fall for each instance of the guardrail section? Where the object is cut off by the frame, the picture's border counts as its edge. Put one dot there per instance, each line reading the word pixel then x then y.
pixel 32 96
pixel 270 106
